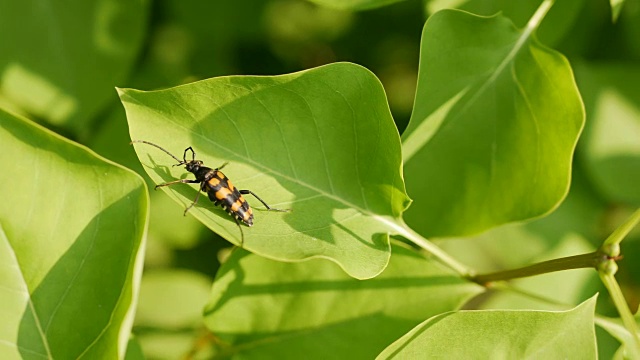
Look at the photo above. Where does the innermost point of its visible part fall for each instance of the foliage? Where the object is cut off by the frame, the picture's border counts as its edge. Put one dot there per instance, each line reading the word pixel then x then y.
pixel 90 215
pixel 267 308
pixel 502 333
pixel 310 143
pixel 515 106
pixel 495 118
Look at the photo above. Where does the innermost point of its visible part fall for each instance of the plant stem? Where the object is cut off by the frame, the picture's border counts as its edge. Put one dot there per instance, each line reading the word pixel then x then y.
pixel 621 231
pixel 537 17
pixel 590 260
pixel 404 230
pixel 625 314
pixel 444 257
pixel 607 269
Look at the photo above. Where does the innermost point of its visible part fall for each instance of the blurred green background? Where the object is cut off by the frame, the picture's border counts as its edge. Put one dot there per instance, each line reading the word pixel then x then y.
pixel 60 63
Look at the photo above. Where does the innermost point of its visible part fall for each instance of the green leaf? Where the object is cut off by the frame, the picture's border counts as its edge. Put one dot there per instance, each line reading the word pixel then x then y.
pixel 610 149
pixel 60 61
pixel 134 351
pixel 320 142
pixel 558 24
pixel 615 327
pixel 354 4
pixel 502 334
pixel 493 128
pixel 262 308
pixel 606 276
pixel 71 253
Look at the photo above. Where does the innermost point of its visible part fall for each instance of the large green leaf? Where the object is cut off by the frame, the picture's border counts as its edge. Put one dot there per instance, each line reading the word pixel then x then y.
pixel 61 60
pixel 71 253
pixel 501 334
pixel 319 142
pixel 494 125
pixel 556 26
pixel 266 309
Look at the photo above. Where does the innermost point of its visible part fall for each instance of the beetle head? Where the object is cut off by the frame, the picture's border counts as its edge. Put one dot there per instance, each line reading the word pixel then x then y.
pixel 192 165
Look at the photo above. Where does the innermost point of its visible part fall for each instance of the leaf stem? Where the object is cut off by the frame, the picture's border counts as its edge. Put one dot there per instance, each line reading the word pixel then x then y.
pixel 590 260
pixel 621 231
pixel 625 314
pixel 538 16
pixel 611 248
pixel 404 230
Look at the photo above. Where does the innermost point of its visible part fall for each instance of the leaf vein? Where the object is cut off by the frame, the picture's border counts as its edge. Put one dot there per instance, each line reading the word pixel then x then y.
pixel 284 138
pixel 322 149
pixel 189 114
pixel 355 142
pixel 300 182
pixel 36 318
pixel 82 262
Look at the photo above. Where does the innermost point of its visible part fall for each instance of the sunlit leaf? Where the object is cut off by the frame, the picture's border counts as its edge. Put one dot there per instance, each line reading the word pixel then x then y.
pixel 71 252
pixel 501 334
pixel 320 142
pixel 493 129
pixel 557 24
pixel 266 309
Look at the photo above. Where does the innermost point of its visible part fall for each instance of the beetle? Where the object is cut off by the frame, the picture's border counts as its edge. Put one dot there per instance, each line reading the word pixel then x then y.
pixel 217 186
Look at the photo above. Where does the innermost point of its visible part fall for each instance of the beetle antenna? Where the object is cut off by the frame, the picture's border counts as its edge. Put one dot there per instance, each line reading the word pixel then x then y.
pixel 159 147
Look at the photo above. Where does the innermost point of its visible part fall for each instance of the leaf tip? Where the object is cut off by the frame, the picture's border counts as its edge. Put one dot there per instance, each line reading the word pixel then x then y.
pixel 122 92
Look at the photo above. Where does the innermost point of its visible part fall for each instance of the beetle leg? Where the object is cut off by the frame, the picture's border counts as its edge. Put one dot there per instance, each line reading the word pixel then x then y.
pixel 223 165
pixel 182 181
pixel 241 232
pixel 247 192
pixel 195 201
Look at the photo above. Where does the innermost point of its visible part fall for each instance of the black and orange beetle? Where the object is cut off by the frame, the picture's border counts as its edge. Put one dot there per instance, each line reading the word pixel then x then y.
pixel 217 186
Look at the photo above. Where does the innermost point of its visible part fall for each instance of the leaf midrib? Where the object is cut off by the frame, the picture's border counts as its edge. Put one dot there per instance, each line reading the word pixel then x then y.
pixel 37 321
pixel 508 59
pixel 300 182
